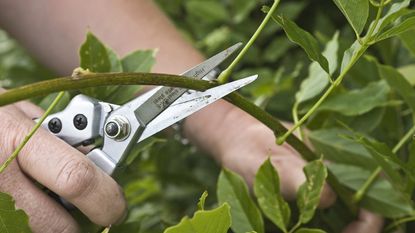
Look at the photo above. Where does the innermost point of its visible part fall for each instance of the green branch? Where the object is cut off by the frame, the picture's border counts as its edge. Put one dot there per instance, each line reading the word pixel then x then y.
pixel 396 223
pixel 99 79
pixel 224 76
pixel 326 94
pixel 102 79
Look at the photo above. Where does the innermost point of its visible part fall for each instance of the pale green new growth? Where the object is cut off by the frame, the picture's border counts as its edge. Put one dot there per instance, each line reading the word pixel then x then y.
pixel 267 191
pixel 208 221
pixel 308 195
pixel 245 214
pixel 202 199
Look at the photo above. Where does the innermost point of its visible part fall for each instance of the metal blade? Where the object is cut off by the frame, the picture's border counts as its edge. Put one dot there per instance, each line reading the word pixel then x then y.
pixel 165 96
pixel 189 104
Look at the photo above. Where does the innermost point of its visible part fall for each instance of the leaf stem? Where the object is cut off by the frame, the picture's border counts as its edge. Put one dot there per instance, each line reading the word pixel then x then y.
pixel 224 76
pixel 399 222
pixel 295 227
pixel 376 4
pixel 295 118
pixel 376 22
pixel 357 197
pixel 404 139
pixel 32 132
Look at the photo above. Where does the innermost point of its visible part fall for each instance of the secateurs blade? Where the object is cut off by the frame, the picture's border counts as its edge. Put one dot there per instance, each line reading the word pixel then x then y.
pixel 121 127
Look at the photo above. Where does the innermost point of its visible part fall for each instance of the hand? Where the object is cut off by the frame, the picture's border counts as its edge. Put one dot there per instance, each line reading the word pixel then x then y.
pixel 60 168
pixel 246 143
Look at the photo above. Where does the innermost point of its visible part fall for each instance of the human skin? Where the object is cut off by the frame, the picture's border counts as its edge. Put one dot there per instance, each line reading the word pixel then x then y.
pixel 53 30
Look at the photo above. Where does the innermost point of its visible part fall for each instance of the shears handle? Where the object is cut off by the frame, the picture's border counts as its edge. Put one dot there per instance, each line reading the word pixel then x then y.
pixel 102 160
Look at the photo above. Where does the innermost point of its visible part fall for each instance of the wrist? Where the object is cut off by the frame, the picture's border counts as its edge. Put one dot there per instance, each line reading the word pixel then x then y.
pixel 221 127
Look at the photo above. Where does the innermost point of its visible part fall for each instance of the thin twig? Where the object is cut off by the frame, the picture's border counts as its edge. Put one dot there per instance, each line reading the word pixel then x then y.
pixel 32 131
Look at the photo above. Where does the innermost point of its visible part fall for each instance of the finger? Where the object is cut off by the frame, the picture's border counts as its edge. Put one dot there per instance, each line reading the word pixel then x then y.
pixel 367 222
pixel 45 215
pixel 67 172
pixel 30 110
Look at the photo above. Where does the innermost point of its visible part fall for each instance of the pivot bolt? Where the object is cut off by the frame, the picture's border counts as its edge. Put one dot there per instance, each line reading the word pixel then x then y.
pixel 55 125
pixel 112 129
pixel 117 128
pixel 80 122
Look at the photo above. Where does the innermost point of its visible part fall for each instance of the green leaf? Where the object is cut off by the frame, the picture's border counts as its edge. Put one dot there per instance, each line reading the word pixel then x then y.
pixel 277 48
pixel 292 9
pixel 411 159
pixel 140 190
pixel 142 147
pixel 356 12
pixel 335 147
pixel 308 195
pixel 139 61
pixel 354 51
pixel 128 227
pixel 45 102
pixel 408 73
pixel 411 165
pixel 202 199
pixel 94 55
pixel 211 221
pixel 245 214
pixel 407 39
pixel 12 220
pixel 318 79
pixel 406 23
pixel 309 230
pixel 97 58
pixel 206 11
pixel 395 10
pixel 304 39
pixel 114 61
pixel 398 83
pixel 384 157
pixel 241 9
pixel 381 196
pixel 267 191
pixel 105 93
pixel 215 40
pixel 358 102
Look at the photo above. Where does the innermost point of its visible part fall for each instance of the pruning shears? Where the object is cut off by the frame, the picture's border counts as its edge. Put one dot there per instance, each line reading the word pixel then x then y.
pixel 122 127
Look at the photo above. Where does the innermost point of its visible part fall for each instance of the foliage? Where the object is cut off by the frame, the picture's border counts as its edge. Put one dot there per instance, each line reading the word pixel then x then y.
pixel 12 220
pixel 205 221
pixel 245 214
pixel 267 189
pixel 344 69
